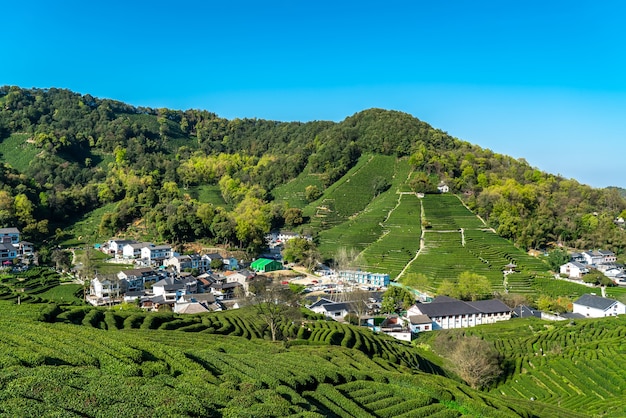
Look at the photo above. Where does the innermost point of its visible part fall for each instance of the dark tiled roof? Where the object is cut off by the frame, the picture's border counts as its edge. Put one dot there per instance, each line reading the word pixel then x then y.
pixel 337 306
pixel 441 308
pixel 420 319
pixel 572 315
pixel 594 301
pixel 447 306
pixel 490 306
pixel 320 302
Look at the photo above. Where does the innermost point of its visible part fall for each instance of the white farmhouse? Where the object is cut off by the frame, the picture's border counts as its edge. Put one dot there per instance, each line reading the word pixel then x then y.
pixel 574 270
pixel 593 306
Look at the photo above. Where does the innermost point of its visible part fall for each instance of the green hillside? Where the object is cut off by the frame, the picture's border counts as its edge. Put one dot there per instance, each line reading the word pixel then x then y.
pixel 61 369
pixel 191 175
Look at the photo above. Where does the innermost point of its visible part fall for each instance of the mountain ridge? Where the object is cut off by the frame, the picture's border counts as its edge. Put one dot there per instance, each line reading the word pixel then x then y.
pixel 73 153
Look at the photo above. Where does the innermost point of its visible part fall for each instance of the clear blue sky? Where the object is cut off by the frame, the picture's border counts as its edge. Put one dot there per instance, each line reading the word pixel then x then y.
pixel 544 81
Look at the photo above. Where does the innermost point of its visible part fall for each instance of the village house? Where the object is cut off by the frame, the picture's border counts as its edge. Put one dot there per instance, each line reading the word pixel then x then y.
pixel 243 277
pixel 396 327
pixel 594 258
pixel 225 291
pixel 330 309
pixel 574 270
pixel 132 250
pixel 448 313
pixel 592 306
pixel 26 248
pixel 185 262
pixel 135 279
pixel 10 235
pixel 169 289
pixel 364 277
pixel 230 263
pixel 156 254
pixel 419 323
pixel 104 290
pixel 578 257
pixel 114 247
pixel 8 252
pixel 208 258
pixel 196 303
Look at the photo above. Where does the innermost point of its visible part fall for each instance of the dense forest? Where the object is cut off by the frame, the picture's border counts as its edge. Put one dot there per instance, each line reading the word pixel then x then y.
pixel 65 154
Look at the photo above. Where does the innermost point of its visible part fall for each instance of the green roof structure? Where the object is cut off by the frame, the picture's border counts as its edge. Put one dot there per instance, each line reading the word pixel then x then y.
pixel 264 265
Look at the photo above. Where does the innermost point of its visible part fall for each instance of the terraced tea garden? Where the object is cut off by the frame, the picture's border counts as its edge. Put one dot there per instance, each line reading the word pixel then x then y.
pixel 63 369
pixel 574 365
pixel 365 211
pixel 31 285
pixel 400 241
pixel 458 241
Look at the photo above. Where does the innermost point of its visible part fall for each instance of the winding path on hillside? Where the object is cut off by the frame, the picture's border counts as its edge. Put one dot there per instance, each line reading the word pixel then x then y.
pixel 422 243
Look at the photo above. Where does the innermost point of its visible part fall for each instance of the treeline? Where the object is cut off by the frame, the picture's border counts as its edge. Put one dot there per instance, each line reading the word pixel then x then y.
pixel 89 152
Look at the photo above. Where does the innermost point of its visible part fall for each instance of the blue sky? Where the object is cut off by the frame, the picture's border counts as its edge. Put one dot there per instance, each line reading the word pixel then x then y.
pixel 543 82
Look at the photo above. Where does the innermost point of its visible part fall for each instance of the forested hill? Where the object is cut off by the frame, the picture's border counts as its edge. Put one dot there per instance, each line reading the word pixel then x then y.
pixel 65 154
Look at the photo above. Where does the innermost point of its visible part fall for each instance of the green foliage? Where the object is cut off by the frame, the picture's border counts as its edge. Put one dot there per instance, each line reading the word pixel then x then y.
pixel 468 286
pixel 396 299
pixel 302 251
pixel 556 258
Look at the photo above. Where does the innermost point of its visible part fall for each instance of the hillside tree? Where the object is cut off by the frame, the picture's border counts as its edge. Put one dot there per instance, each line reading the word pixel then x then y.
pixel 274 304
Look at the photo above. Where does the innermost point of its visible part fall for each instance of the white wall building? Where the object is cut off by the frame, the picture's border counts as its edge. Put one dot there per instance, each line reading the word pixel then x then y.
pixel 593 306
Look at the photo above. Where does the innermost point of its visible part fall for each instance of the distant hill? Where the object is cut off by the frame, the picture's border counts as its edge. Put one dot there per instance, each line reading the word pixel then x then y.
pixel 180 176
pixel 621 191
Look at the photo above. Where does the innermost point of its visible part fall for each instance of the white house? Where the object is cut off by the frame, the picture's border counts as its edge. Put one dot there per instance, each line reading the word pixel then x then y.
pixel 104 290
pixel 135 279
pixel 334 310
pixel 574 269
pixel 170 289
pixel 593 257
pixel 447 313
pixel 419 323
pixel 133 249
pixel 115 246
pixel 155 254
pixel 185 262
pixel 593 306
pixel 443 187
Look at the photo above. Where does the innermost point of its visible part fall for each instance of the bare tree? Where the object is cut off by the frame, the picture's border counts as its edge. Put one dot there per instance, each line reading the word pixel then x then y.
pixel 344 258
pixel 274 304
pixel 359 299
pixel 476 361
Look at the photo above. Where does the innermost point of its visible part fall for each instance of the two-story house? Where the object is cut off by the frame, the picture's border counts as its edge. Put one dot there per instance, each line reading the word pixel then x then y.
pixel 155 254
pixel 135 279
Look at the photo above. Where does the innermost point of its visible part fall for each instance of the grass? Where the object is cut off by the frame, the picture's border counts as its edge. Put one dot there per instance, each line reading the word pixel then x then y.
pixel 100 264
pixel 19 152
pixel 293 191
pixel 209 194
pixel 64 293
pixel 86 229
